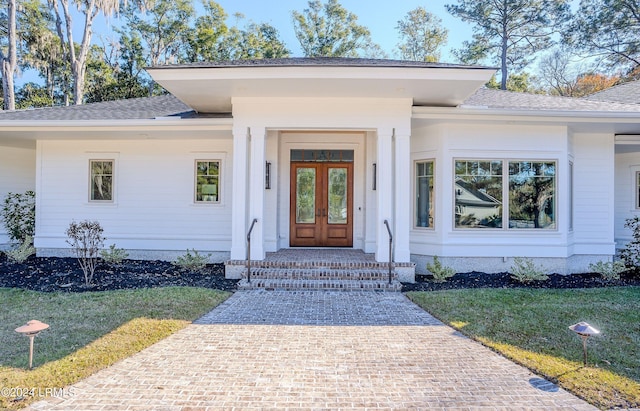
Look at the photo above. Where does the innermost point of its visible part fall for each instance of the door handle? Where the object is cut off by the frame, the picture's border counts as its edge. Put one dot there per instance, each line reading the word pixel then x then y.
pixel 318 213
pixel 324 212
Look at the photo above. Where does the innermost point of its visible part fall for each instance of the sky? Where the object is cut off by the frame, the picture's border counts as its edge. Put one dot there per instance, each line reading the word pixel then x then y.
pixel 380 17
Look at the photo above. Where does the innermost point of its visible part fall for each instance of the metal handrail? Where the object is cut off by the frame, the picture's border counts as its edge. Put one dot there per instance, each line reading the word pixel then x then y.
pixel 255 220
pixel 390 264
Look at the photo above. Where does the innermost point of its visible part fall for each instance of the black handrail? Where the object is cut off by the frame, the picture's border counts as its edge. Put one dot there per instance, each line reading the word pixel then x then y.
pixel 255 220
pixel 390 264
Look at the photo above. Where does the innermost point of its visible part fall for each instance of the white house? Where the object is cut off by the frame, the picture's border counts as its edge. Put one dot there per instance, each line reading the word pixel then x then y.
pixel 321 152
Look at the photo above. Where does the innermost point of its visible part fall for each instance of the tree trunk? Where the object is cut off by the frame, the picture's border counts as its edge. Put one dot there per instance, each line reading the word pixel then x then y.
pixel 503 57
pixel 10 61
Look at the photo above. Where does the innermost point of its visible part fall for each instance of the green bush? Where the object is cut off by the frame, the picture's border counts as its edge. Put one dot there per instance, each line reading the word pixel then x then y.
pixel 192 262
pixel 440 273
pixel 525 271
pixel 630 254
pixel 113 255
pixel 608 270
pixel 21 253
pixel 19 215
pixel 86 240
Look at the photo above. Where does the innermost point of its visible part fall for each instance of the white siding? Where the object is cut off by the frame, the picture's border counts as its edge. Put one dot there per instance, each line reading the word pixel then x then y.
pixel 445 143
pixel 626 190
pixel 17 175
pixel 154 206
pixel 593 189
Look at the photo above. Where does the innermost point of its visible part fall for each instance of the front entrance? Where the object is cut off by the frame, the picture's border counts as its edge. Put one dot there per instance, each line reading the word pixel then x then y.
pixel 321 212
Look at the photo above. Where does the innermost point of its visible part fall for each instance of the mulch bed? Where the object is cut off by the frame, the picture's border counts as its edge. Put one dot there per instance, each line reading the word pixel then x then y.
pixel 48 274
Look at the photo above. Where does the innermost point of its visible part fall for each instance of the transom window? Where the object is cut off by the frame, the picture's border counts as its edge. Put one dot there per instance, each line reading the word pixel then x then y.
pixel 322 155
pixel 424 194
pixel 101 180
pixel 481 187
pixel 207 181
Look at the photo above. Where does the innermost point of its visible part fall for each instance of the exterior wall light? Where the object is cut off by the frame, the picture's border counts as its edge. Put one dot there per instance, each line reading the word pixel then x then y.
pixel 585 331
pixel 31 329
pixel 267 176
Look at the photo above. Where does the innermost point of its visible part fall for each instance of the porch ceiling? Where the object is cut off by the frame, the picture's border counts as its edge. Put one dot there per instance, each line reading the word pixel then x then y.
pixel 211 89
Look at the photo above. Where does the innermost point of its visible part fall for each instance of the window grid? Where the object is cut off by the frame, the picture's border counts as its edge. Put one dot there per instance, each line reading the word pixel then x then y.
pixel 207 181
pixel 101 174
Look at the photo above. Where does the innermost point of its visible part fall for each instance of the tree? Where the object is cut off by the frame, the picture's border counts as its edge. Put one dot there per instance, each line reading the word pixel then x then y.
pixel 610 29
pixel 10 59
pixel 518 82
pixel 161 28
pixel 330 30
pixel 421 35
pixel 64 27
pixel 558 73
pixel 509 32
pixel 204 42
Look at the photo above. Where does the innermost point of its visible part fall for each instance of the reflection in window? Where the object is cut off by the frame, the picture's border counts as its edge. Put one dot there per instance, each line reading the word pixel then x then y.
pixel 478 194
pixel 424 194
pixel 532 194
pixel 207 181
pixel 101 188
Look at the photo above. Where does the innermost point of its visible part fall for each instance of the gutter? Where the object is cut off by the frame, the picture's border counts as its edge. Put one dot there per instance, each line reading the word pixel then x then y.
pixel 164 123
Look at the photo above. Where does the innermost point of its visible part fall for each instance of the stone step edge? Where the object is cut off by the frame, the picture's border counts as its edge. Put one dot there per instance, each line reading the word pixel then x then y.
pixel 319 274
pixel 319 285
pixel 315 264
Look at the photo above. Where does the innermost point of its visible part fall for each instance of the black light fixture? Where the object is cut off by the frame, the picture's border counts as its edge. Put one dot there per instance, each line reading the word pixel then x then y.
pixel 375 176
pixel 267 176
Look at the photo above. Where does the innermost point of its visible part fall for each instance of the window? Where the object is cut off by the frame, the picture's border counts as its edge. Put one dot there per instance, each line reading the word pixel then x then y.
pixel 207 181
pixel 424 194
pixel 101 180
pixel 481 185
pixel 478 194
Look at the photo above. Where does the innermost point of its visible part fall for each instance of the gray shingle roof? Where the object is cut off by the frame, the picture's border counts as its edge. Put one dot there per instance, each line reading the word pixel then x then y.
pixel 129 109
pixel 628 93
pixel 318 61
pixel 499 99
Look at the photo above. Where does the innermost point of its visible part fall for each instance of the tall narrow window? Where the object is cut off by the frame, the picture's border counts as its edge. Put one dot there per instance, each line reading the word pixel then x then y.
pixel 637 189
pixel 570 196
pixel 424 194
pixel 532 194
pixel 207 181
pixel 478 194
pixel 101 184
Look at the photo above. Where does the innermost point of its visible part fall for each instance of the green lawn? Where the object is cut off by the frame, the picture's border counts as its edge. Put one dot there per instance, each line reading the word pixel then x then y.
pixel 88 331
pixel 531 327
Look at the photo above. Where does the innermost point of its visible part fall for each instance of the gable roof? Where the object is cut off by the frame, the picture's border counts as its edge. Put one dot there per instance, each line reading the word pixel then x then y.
pixel 622 93
pixel 507 100
pixel 127 109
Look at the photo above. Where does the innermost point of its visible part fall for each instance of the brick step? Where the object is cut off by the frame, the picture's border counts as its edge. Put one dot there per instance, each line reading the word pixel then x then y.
pixel 335 285
pixel 347 265
pixel 321 273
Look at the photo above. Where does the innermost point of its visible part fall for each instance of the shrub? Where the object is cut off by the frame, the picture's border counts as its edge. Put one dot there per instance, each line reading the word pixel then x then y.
pixel 19 215
pixel 630 254
pixel 524 270
pixel 192 262
pixel 608 270
pixel 86 240
pixel 113 255
pixel 440 273
pixel 22 252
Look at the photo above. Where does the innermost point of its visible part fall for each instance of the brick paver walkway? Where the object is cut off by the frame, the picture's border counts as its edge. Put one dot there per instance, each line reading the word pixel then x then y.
pixel 315 350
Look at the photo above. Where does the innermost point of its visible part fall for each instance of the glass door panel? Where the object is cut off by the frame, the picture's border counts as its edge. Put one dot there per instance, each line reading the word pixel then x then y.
pixel 305 195
pixel 337 197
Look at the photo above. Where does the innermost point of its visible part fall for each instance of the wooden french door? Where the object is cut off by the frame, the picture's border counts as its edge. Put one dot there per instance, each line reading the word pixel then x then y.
pixel 321 212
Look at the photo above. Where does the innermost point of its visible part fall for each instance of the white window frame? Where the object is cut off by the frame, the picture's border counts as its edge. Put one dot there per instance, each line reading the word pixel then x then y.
pixel 505 194
pixel 415 194
pixel 195 181
pixel 113 181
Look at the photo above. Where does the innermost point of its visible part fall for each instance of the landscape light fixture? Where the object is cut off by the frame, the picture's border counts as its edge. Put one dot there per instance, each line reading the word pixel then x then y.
pixel 31 329
pixel 585 331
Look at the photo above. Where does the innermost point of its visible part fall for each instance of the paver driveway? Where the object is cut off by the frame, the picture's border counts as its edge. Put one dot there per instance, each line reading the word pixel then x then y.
pixel 316 350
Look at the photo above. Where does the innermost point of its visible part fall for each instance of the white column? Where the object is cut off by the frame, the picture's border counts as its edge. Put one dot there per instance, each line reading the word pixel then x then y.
pixel 384 193
pixel 402 198
pixel 239 193
pixel 256 191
